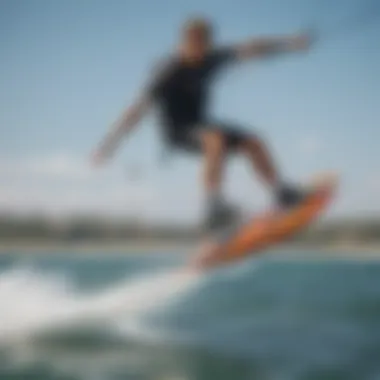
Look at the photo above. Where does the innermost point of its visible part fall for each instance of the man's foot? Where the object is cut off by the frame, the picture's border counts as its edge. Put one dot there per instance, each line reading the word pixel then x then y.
pixel 221 215
pixel 289 196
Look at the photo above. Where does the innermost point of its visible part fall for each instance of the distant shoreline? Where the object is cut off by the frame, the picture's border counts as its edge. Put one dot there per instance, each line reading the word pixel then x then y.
pixel 95 247
pixel 357 250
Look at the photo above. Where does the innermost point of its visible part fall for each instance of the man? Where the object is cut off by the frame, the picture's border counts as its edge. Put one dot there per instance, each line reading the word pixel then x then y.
pixel 180 90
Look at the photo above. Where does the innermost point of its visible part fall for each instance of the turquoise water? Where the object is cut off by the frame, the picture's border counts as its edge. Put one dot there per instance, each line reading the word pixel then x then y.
pixel 70 316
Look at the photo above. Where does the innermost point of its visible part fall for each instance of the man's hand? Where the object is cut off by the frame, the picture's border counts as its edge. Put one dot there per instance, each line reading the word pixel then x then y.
pixel 105 150
pixel 127 122
pixel 98 158
pixel 301 42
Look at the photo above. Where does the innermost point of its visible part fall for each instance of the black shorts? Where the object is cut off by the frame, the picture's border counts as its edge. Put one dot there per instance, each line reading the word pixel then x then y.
pixel 187 138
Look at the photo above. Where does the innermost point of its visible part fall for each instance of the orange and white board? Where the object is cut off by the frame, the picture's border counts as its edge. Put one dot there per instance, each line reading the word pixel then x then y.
pixel 271 228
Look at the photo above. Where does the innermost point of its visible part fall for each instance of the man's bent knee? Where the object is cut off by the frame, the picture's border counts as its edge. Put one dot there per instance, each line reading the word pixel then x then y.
pixel 213 141
pixel 252 143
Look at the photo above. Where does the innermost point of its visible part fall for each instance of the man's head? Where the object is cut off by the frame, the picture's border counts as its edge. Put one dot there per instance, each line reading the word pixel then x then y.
pixel 196 38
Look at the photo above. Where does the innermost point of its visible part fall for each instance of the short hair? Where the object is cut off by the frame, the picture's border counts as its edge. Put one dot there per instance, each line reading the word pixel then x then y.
pixel 199 24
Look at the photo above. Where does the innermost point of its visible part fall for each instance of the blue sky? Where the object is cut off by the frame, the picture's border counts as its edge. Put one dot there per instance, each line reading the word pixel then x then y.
pixel 67 69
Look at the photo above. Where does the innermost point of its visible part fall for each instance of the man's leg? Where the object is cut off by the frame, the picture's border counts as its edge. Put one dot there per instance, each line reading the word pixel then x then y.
pixel 216 144
pixel 214 147
pixel 213 144
pixel 258 154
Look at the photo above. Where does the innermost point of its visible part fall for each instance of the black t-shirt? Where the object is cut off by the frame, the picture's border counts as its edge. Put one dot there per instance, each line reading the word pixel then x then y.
pixel 181 91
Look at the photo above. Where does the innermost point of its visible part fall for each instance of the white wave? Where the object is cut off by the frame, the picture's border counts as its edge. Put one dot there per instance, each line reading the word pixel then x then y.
pixel 32 303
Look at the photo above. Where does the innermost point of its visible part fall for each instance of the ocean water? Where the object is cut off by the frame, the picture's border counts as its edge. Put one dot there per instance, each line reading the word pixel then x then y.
pixel 114 316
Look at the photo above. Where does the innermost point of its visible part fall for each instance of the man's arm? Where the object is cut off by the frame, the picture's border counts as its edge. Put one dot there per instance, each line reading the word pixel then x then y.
pixel 129 119
pixel 258 48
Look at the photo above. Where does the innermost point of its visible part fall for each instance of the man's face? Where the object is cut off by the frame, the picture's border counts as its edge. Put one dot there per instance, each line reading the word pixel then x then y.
pixel 196 43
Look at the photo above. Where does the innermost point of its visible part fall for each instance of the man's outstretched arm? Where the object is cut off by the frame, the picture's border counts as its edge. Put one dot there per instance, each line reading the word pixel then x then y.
pixel 263 47
pixel 128 120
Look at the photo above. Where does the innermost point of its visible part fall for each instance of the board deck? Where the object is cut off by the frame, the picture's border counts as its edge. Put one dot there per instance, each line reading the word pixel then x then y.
pixel 274 227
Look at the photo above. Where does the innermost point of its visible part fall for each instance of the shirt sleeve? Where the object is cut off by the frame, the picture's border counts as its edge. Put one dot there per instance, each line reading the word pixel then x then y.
pixel 222 57
pixel 156 80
